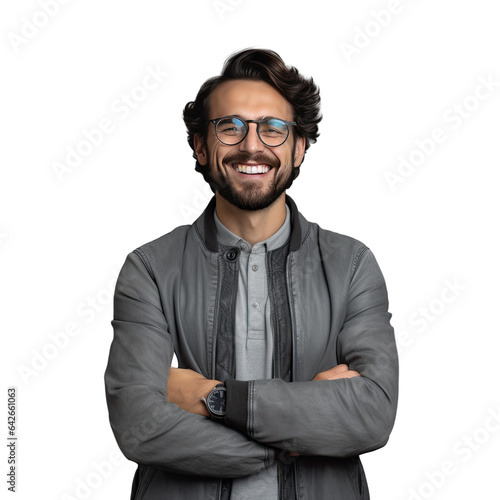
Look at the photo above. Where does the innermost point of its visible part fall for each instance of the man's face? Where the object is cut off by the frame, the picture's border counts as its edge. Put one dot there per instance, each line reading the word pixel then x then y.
pixel 228 166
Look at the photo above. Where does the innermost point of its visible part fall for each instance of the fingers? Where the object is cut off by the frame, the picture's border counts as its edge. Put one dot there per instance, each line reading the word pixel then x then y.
pixel 337 372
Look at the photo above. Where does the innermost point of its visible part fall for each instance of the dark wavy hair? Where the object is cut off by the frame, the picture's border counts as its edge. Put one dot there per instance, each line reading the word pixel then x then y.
pixel 265 65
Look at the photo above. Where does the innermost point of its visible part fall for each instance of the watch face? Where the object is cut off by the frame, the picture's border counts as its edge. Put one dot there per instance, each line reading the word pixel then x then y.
pixel 216 401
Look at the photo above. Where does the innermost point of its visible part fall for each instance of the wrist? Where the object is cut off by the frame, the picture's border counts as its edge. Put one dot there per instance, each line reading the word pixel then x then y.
pixel 208 386
pixel 237 408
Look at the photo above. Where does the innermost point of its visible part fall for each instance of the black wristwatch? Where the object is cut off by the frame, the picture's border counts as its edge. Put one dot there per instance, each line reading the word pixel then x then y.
pixel 216 402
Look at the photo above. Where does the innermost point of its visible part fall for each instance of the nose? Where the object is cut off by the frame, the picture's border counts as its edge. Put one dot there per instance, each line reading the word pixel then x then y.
pixel 251 143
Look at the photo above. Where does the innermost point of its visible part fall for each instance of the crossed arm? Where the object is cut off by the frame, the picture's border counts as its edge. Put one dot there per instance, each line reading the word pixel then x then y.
pixel 337 414
pixel 185 387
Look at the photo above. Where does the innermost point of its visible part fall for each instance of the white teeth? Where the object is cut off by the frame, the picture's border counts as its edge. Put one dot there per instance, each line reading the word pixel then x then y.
pixel 252 169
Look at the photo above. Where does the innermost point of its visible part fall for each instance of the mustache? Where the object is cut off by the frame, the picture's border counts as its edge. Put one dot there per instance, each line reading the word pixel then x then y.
pixel 259 158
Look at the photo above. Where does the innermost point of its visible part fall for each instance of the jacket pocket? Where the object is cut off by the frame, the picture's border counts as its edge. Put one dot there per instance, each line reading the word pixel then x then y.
pixel 143 477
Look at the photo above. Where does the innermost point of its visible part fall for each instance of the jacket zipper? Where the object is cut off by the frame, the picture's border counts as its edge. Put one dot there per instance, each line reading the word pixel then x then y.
pixel 277 354
pixel 216 319
pixel 292 318
pixel 294 353
pixel 295 478
pixel 219 489
pixel 214 348
pixel 280 484
pixel 276 342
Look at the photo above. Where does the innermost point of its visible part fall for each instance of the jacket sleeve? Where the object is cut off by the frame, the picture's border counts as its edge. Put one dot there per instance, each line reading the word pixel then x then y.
pixel 337 418
pixel 149 429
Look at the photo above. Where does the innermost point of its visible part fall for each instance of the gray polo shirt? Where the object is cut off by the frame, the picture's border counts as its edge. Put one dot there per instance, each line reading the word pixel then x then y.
pixel 254 335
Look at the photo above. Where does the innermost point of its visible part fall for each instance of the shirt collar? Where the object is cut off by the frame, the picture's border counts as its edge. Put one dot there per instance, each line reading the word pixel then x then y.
pixel 278 239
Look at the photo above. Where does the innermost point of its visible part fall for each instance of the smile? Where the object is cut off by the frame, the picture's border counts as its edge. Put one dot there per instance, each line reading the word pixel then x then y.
pixel 251 169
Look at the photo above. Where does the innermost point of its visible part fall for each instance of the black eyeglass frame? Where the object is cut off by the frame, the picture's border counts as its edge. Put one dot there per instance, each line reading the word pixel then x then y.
pixel 289 124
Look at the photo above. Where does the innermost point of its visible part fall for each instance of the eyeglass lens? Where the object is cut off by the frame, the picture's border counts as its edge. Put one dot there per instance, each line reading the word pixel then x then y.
pixel 272 132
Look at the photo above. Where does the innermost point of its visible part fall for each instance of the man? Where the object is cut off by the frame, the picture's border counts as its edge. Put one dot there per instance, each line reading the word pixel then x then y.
pixel 287 360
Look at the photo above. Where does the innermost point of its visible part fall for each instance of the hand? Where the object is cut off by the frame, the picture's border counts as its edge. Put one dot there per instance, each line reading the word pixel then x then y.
pixel 339 371
pixel 185 388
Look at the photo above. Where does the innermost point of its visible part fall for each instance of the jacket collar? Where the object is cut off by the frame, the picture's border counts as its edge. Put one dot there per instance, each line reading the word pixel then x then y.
pixel 210 234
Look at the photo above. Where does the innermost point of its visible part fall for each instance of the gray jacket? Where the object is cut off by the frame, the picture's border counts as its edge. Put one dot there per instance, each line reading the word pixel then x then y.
pixel 329 306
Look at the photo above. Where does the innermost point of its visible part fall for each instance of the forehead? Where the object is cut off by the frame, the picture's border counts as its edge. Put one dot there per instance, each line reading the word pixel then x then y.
pixel 249 99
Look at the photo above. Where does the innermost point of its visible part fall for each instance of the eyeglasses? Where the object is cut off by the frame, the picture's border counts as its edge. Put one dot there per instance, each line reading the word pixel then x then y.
pixel 231 130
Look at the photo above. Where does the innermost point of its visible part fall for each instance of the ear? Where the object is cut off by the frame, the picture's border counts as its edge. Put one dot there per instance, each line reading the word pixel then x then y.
pixel 299 152
pixel 200 149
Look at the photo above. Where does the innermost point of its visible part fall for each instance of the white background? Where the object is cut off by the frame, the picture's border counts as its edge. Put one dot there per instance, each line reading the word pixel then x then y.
pixel 63 238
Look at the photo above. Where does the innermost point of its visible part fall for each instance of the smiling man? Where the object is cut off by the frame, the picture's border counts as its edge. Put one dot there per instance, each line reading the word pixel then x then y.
pixel 287 362
pixel 248 156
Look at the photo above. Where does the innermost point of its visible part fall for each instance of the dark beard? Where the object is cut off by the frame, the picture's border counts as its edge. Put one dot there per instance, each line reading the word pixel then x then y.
pixel 252 199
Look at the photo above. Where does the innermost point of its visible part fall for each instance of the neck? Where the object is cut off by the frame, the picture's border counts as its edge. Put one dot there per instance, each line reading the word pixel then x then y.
pixel 253 226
